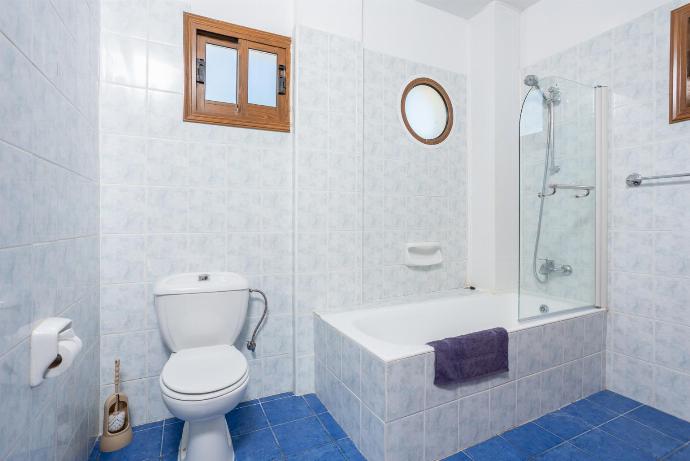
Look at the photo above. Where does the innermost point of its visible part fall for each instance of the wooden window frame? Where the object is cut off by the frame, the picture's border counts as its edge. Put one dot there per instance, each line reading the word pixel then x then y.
pixel 679 103
pixel 198 31
pixel 446 100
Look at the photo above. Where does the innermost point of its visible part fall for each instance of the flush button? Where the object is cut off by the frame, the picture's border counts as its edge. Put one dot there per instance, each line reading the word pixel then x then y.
pixel 203 277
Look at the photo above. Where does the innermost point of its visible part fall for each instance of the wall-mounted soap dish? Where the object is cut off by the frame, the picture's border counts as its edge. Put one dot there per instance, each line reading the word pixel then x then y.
pixel 420 254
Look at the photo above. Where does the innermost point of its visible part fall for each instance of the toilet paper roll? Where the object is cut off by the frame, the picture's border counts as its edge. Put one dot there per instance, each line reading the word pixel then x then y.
pixel 68 350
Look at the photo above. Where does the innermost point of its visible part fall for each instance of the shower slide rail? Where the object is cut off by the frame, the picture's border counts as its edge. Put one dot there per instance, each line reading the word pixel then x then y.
pixel 636 179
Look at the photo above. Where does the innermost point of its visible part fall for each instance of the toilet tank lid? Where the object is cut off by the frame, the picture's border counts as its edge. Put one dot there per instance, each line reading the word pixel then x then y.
pixel 200 282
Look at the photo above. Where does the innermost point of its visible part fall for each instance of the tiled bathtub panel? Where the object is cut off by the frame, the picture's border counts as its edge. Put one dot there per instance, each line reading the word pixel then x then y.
pixel 373 384
pixel 436 395
pixel 404 438
pixel 372 442
pixel 440 431
pixel 503 407
pixel 405 381
pixel 528 399
pixel 378 416
pixel 474 419
pixel 351 364
pixel 334 340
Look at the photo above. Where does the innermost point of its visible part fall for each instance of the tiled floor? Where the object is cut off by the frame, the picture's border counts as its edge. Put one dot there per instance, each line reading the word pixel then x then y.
pixel 605 426
pixel 281 427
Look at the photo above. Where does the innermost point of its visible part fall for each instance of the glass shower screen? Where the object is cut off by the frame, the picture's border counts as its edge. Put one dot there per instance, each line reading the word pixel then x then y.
pixel 557 197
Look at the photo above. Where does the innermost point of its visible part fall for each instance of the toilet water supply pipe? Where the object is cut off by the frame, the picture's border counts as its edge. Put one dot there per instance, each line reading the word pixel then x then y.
pixel 251 344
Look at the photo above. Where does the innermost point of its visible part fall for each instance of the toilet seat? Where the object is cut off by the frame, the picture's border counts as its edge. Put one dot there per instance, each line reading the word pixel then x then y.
pixel 204 373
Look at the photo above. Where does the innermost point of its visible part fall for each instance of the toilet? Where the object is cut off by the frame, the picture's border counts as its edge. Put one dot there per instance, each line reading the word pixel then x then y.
pixel 200 316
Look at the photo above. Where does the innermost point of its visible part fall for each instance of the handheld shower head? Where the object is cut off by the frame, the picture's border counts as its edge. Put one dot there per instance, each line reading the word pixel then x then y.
pixel 532 80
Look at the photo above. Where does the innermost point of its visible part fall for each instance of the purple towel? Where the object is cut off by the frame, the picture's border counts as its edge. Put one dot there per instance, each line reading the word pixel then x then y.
pixel 470 356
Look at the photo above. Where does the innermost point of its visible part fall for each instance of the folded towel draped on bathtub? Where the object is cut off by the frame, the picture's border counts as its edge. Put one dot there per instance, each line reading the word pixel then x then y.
pixel 470 356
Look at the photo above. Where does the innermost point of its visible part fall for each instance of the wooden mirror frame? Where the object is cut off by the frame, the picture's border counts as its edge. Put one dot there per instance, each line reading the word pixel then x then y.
pixel 446 100
pixel 679 97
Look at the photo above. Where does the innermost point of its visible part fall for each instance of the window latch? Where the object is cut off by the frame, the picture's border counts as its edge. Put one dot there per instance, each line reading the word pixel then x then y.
pixel 282 80
pixel 200 70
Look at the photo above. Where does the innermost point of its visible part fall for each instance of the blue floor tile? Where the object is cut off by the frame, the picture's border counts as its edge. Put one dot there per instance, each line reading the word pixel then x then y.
pixel 564 452
pixel 494 449
pixel 531 439
pixel 681 455
pixel 286 410
pixel 564 425
pixel 246 419
pixel 669 425
pixel 332 426
pixel 93 456
pixel 614 402
pixel 276 397
pixel 301 435
pixel 256 446
pixel 247 403
pixel 601 445
pixel 315 404
pixel 458 457
pixel 350 450
pixel 145 445
pixel 329 452
pixel 640 436
pixel 172 420
pixel 172 433
pixel 590 412
pixel 144 427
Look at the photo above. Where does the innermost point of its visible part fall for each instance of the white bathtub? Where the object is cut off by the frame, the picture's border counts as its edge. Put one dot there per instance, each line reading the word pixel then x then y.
pixel 402 330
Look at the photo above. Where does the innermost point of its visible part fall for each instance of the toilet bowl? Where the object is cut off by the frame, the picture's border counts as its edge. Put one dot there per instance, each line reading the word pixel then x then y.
pixel 200 317
pixel 199 386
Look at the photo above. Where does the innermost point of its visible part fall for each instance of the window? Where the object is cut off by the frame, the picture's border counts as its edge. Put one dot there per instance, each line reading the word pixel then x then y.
pixel 426 111
pixel 235 75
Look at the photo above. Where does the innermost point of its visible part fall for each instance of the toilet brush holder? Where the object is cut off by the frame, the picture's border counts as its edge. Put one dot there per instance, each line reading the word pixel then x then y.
pixel 117 429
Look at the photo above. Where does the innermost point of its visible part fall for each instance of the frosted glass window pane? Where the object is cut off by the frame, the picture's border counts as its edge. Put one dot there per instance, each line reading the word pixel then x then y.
pixel 221 74
pixel 426 111
pixel 263 71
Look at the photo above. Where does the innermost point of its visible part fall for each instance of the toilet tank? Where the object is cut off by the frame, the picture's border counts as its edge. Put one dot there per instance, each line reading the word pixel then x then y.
pixel 201 309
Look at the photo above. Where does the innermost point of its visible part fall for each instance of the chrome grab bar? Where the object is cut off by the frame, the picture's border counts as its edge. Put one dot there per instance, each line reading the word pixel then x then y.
pixel 554 188
pixel 637 179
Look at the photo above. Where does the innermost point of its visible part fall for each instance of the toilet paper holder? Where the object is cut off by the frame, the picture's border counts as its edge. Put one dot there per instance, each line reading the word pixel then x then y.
pixel 54 346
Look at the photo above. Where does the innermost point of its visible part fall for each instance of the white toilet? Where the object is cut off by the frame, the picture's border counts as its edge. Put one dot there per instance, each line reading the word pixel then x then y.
pixel 200 316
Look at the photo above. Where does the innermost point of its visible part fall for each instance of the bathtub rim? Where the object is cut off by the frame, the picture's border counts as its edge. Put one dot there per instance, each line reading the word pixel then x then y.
pixel 342 321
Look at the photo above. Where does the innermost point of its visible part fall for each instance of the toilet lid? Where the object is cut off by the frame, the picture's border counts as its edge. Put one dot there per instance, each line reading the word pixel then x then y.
pixel 202 370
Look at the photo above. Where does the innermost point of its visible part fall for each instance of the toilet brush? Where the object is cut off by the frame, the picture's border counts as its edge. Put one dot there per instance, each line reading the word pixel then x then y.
pixel 116 419
pixel 117 430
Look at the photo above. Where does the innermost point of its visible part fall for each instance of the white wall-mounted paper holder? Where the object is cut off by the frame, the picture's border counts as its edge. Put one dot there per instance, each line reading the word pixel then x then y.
pixel 54 346
pixel 421 254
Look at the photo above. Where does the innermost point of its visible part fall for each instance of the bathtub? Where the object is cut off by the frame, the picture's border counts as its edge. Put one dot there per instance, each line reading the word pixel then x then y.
pixel 375 372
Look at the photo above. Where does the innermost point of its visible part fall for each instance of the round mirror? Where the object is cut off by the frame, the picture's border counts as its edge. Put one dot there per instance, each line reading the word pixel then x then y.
pixel 427 111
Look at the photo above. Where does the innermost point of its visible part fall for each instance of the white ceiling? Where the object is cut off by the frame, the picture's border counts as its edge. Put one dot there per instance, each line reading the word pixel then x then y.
pixel 468 8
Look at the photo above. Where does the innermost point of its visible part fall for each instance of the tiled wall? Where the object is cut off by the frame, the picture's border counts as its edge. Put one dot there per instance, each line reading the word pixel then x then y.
pixel 329 187
pixel 49 220
pixel 364 188
pixel 648 350
pixel 393 411
pixel 182 197
pixel 412 192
